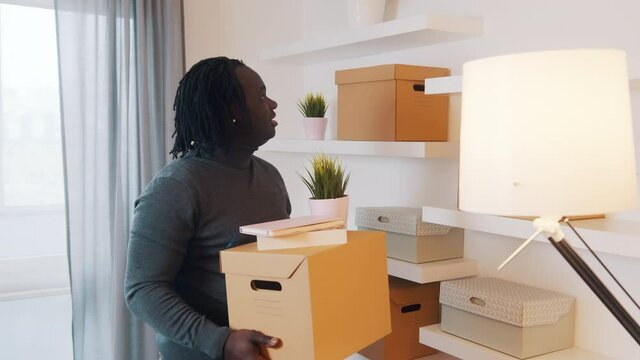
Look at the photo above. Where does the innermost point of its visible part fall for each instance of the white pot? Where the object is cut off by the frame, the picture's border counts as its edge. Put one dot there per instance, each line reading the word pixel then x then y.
pixel 338 208
pixel 365 12
pixel 314 127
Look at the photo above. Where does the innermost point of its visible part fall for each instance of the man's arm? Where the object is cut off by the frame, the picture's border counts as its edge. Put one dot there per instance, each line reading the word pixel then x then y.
pixel 163 224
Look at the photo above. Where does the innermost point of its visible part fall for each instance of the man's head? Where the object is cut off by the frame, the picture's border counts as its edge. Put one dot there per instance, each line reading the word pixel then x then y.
pixel 221 103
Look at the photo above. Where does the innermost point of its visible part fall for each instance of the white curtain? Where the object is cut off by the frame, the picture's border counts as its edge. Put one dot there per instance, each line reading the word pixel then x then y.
pixel 120 63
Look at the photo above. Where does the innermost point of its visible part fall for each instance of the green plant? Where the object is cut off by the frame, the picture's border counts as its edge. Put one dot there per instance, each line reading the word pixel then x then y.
pixel 327 179
pixel 313 105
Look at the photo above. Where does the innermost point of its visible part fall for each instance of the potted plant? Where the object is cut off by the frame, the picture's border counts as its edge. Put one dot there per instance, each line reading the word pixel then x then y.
pixel 327 182
pixel 313 107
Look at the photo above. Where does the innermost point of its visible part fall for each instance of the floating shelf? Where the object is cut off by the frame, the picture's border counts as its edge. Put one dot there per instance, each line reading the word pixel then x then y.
pixel 606 235
pixel 453 85
pixel 432 271
pixel 434 337
pixel 385 37
pixel 422 150
pixel 443 85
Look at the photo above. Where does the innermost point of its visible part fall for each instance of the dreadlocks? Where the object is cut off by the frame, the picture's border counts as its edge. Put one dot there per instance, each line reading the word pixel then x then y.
pixel 203 106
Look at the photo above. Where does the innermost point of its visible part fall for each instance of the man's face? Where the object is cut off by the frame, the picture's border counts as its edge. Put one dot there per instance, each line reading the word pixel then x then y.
pixel 256 125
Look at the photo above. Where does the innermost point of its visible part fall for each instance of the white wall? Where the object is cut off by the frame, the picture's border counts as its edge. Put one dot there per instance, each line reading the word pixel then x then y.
pixel 248 26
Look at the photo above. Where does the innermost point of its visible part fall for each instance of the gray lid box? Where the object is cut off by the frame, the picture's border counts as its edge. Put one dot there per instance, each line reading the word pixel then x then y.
pixel 403 220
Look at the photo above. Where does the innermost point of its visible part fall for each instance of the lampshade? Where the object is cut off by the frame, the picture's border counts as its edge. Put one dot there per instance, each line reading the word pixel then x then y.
pixel 547 133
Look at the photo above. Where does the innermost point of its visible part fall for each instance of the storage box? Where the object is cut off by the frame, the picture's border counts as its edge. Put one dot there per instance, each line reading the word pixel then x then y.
pixel 402 220
pixel 412 306
pixel 324 302
pixel 516 319
pixel 387 103
pixel 421 249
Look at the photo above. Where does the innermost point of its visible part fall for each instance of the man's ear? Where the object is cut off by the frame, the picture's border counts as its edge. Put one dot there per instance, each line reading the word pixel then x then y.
pixel 235 111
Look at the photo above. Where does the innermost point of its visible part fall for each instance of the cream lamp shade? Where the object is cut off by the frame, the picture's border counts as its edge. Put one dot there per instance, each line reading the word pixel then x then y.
pixel 547 133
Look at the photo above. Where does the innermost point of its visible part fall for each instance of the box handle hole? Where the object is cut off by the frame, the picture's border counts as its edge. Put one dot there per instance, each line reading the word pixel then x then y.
pixel 477 301
pixel 265 285
pixel 418 87
pixel 383 219
pixel 410 308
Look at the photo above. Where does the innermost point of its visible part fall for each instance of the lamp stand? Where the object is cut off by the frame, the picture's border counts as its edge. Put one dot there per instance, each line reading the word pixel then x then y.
pixel 598 287
pixel 551 227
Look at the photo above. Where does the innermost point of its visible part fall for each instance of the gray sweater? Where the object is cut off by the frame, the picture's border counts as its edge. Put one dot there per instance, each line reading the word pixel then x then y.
pixel 189 213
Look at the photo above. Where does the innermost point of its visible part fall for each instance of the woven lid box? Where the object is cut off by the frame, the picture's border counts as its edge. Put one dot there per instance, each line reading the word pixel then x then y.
pixel 408 237
pixel 519 320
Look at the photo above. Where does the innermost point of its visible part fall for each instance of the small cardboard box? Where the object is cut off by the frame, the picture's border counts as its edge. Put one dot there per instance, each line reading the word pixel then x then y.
pixel 421 249
pixel 387 103
pixel 324 302
pixel 412 306
pixel 519 320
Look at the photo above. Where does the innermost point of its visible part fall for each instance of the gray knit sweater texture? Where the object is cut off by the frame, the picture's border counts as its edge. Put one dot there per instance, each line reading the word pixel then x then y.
pixel 188 213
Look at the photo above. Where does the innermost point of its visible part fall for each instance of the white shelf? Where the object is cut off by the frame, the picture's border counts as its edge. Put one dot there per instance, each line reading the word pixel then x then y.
pixel 385 37
pixel 422 150
pixel 453 85
pixel 443 85
pixel 606 235
pixel 432 271
pixel 434 337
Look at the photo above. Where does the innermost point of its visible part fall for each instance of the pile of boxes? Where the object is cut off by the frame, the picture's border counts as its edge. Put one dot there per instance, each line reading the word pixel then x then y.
pixel 413 305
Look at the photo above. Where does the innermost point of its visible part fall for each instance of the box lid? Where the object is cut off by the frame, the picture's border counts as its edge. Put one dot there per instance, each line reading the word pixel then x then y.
pixel 404 292
pixel 506 301
pixel 389 72
pixel 403 220
pixel 281 263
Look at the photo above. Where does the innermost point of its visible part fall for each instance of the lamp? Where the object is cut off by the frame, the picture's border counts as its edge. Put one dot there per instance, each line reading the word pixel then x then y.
pixel 548 134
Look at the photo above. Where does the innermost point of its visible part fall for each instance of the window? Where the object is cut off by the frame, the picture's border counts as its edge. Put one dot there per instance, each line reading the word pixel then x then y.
pixel 34 283
pixel 31 168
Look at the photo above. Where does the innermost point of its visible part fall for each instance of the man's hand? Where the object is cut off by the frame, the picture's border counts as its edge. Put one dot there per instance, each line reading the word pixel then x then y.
pixel 248 345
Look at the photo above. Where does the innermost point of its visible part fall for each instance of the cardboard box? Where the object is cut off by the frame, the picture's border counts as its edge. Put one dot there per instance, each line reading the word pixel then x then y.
pixel 515 319
pixel 412 306
pixel 387 103
pixel 324 302
pixel 421 249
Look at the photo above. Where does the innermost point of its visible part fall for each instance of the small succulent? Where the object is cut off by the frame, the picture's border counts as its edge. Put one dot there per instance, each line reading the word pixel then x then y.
pixel 313 105
pixel 327 179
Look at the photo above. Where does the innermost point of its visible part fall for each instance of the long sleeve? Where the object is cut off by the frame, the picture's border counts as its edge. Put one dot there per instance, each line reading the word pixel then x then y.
pixel 164 223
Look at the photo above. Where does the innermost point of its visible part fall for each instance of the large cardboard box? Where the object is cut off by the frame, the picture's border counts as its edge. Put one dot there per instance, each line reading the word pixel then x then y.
pixel 387 103
pixel 412 306
pixel 516 319
pixel 324 302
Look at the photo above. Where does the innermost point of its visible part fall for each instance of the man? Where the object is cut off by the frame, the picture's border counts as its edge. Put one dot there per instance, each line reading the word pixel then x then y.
pixel 193 208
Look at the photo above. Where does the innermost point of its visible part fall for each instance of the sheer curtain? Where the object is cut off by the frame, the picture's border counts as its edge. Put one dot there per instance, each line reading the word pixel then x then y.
pixel 120 63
